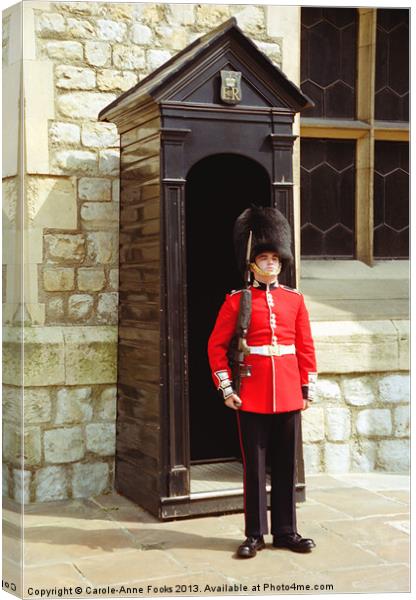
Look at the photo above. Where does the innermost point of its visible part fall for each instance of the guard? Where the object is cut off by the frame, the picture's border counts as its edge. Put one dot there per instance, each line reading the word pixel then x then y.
pixel 263 362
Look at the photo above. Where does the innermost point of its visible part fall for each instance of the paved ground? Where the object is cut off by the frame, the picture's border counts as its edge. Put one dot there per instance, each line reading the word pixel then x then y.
pixel 360 524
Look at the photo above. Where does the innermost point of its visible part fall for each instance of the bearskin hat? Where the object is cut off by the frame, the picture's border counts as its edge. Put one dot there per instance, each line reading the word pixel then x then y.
pixel 271 232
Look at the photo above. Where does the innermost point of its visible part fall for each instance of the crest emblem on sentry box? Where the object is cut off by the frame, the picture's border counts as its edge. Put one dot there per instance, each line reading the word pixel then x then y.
pixel 231 87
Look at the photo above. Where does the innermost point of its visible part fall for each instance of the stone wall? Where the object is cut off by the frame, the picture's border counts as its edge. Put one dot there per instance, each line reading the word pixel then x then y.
pixel 359 423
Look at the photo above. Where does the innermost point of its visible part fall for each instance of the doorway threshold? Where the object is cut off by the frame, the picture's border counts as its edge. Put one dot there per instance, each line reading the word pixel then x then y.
pixel 218 479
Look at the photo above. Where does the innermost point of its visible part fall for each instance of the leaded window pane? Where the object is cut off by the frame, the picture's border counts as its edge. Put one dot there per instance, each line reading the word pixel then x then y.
pixel 391 200
pixel 328 61
pixel 327 198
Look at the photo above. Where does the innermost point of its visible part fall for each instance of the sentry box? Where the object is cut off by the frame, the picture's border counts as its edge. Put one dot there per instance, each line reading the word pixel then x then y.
pixel 202 137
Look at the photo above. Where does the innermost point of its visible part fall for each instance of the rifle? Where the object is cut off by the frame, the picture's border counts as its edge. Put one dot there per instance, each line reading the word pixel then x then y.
pixel 238 345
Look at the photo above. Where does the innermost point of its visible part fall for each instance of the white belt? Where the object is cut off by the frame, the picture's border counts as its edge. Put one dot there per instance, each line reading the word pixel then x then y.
pixel 276 350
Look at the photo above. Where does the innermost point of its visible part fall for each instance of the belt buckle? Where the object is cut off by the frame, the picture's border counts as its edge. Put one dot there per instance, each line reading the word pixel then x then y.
pixel 274 350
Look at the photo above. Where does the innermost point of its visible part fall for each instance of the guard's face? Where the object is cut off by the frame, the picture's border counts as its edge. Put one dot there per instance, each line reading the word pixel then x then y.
pixel 269 262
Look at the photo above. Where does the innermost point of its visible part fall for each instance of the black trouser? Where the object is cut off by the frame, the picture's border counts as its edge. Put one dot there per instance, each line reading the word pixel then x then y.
pixel 278 434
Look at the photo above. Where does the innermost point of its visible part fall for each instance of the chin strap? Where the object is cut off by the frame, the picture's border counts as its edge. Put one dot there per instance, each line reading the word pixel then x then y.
pixel 259 271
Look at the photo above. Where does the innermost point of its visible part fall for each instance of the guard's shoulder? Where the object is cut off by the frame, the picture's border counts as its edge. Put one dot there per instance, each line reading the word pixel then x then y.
pixel 233 292
pixel 289 289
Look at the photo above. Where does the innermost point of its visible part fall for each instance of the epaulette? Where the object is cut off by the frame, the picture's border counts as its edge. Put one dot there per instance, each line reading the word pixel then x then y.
pixel 235 292
pixel 289 289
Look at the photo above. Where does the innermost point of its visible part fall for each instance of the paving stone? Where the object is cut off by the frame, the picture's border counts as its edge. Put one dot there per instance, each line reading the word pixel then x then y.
pixel 355 502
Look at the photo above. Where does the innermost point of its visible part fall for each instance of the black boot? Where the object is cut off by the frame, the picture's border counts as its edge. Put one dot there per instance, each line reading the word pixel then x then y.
pixel 250 546
pixel 293 541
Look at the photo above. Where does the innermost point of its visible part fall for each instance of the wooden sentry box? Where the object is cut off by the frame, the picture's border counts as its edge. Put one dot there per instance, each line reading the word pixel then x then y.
pixel 190 164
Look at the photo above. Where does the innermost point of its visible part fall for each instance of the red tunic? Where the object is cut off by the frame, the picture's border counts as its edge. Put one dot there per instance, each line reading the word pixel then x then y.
pixel 278 316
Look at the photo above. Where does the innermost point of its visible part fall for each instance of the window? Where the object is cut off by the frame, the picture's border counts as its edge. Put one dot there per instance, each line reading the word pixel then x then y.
pixel 354 142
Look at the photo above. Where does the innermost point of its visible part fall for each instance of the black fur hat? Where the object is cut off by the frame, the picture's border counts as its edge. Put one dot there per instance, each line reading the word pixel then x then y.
pixel 271 232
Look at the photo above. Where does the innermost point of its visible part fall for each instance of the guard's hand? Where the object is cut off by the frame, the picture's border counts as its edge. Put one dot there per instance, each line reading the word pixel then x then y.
pixel 233 402
pixel 306 404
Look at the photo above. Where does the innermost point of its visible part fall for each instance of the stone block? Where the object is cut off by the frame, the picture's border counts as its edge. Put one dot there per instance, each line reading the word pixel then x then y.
pixel 362 346
pixel 78 8
pixel 402 421
pixel 97 215
pixel 64 247
pixel 181 14
pixel 251 19
pixel 55 309
pixel 363 456
pixel 116 190
pixel 113 279
pixel 107 308
pixel 64 50
pixel 75 78
pixel 271 50
pixel 393 456
pixel 403 333
pixel 101 438
pixel 5 481
pixel 128 57
pixel 44 356
pixel 208 16
pixel 114 31
pixel 142 35
pixel 313 427
pixel 94 189
pixel 64 133
pixel 109 162
pixel 51 483
pixel 338 423
pixel 32 446
pixel 358 391
pixel 89 479
pixel 51 202
pixel 80 306
pixel 156 58
pixel 374 422
pixel 76 161
pixel 102 248
pixel 106 408
pixel 328 390
pixel 64 445
pixel 91 355
pixel 50 24
pixel 11 443
pixel 91 279
pixel 394 388
pixel 12 404
pixel 99 135
pixel 312 458
pixel 37 405
pixel 83 105
pixel 80 29
pixel 58 279
pixel 109 80
pixel 175 38
pixel 337 458
pixel 21 486
pixel 73 405
pixel 98 54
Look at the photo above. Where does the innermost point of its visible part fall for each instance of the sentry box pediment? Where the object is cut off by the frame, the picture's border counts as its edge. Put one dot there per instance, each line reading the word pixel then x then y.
pixel 201 138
